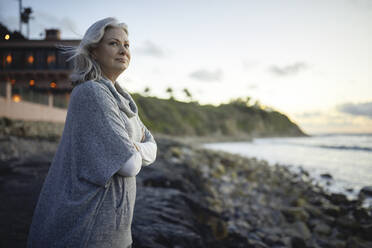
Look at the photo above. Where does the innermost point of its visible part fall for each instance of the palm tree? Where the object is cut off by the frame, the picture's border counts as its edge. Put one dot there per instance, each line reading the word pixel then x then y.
pixel 188 94
pixel 147 90
pixel 170 92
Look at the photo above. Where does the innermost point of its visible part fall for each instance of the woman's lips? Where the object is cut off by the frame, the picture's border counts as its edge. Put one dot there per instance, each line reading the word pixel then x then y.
pixel 121 60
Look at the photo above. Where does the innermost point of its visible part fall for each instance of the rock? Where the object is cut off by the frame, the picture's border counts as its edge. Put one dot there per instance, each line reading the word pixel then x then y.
pixel 331 209
pixel 366 191
pixel 361 214
pixel 298 229
pixel 7 167
pixel 314 211
pixel 192 197
pixel 350 190
pixel 273 240
pixel 356 242
pixel 301 202
pixel 162 180
pixel 295 213
pixel 366 231
pixel 326 176
pixel 322 229
pixel 339 199
pixel 298 242
pixel 175 152
pixel 348 223
pixel 255 241
pixel 331 243
pixel 337 243
pixel 164 223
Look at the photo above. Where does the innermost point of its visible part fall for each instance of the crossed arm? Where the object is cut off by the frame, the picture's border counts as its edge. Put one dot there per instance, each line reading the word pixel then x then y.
pixel 145 155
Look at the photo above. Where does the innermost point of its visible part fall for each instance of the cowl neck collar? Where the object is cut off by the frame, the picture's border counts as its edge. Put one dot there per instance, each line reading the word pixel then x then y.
pixel 124 99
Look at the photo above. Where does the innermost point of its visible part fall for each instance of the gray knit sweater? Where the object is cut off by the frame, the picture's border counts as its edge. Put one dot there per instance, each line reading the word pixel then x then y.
pixel 84 202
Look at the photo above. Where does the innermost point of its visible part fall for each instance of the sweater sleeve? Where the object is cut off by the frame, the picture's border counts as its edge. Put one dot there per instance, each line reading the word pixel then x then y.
pixel 147 147
pixel 100 142
pixel 148 152
pixel 132 167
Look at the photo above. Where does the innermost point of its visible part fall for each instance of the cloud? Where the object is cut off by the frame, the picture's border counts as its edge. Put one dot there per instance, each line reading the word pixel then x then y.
pixel 361 109
pixel 309 114
pixel 151 49
pixel 70 25
pixel 288 69
pixel 248 64
pixel 252 86
pixel 65 24
pixel 207 76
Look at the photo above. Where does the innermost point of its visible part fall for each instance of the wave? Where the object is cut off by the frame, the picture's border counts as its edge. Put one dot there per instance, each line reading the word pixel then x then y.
pixel 355 148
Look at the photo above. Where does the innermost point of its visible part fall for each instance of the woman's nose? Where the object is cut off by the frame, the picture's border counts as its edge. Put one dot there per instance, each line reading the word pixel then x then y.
pixel 123 49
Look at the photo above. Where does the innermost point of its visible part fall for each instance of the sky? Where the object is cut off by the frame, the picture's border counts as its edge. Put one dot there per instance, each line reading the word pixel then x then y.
pixel 311 60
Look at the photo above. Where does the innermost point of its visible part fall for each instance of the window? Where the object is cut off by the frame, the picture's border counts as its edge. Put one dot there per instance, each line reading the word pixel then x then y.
pixel 51 60
pixel 29 94
pixel 30 60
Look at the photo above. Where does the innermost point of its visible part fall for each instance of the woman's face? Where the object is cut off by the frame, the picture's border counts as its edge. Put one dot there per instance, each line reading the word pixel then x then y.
pixel 112 52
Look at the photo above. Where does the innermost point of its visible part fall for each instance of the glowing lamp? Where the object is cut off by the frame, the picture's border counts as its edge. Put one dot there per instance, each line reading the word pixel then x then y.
pixel 16 98
pixel 30 59
pixel 51 59
pixel 8 59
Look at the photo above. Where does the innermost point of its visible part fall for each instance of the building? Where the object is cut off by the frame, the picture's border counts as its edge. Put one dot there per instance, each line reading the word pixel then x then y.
pixel 34 76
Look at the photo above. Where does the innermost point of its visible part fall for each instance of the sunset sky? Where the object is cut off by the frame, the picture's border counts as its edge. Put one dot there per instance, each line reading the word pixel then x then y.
pixel 311 60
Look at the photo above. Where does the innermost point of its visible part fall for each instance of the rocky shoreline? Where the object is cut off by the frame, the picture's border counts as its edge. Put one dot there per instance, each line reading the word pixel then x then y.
pixel 193 197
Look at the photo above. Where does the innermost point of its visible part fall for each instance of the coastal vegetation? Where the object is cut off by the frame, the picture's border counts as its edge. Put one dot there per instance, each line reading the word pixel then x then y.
pixel 238 119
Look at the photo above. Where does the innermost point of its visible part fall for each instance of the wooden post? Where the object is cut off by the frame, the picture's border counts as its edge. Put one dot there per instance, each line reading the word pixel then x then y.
pixel 50 100
pixel 8 91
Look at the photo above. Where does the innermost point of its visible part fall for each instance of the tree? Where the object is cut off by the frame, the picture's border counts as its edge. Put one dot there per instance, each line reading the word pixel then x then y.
pixel 187 93
pixel 170 92
pixel 241 101
pixel 147 90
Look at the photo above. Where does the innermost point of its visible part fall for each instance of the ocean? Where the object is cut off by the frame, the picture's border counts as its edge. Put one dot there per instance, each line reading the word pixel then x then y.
pixel 346 157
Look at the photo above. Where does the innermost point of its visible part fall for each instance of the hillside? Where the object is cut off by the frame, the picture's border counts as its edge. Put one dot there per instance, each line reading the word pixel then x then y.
pixel 170 117
pixel 234 119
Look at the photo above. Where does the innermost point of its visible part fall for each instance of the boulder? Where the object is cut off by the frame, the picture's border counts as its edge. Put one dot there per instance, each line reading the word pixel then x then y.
pixel 322 229
pixel 366 191
pixel 326 176
pixel 295 214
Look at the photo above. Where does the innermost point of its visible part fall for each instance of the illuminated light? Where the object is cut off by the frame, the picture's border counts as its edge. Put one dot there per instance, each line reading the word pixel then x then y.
pixel 7 37
pixel 53 84
pixel 51 59
pixel 32 82
pixel 8 59
pixel 30 59
pixel 16 98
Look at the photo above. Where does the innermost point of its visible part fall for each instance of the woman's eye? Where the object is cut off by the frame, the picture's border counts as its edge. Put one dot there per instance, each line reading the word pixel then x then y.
pixel 113 43
pixel 126 45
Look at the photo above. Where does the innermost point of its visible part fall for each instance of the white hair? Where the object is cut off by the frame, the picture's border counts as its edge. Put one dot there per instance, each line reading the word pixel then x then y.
pixel 85 68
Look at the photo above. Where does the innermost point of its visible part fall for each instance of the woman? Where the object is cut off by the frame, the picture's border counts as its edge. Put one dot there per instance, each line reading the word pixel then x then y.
pixel 88 196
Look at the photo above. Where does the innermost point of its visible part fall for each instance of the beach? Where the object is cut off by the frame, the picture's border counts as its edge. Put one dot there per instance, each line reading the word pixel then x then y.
pixel 340 163
pixel 194 197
